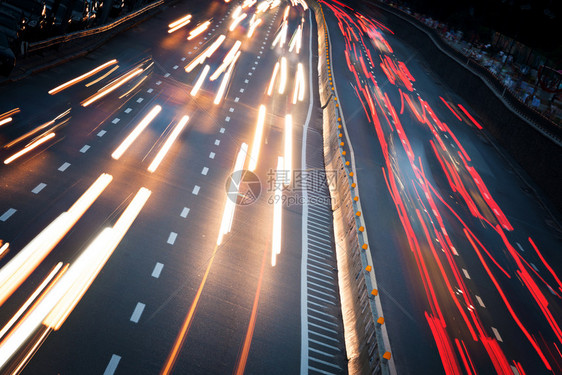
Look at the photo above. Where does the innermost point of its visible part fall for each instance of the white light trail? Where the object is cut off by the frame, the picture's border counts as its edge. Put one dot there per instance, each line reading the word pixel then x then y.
pixel 113 86
pixel 288 157
pixel 29 147
pixel 200 80
pixel 136 132
pixel 82 77
pixel 198 30
pixel 283 81
pixel 236 21
pixel 205 54
pixel 233 190
pixel 176 25
pixel 256 144
pixel 27 259
pixel 225 80
pixel 272 82
pixel 277 214
pixel 298 92
pixel 226 61
pixel 168 144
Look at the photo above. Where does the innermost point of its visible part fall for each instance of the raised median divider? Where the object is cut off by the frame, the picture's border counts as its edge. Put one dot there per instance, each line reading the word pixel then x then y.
pixel 367 343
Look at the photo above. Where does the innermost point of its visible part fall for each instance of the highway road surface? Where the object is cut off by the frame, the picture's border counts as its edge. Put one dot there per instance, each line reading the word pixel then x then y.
pixel 162 206
pixel 467 261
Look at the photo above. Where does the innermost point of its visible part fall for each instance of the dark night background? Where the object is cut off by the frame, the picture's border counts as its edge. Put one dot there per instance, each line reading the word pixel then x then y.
pixel 535 23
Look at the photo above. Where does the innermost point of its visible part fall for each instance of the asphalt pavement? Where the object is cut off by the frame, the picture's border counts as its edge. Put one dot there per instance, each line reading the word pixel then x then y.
pixel 451 222
pixel 171 296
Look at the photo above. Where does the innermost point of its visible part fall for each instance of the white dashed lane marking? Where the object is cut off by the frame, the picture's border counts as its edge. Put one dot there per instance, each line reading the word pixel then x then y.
pixel 149 91
pixel 157 270
pixel 112 365
pixel 139 100
pixel 480 302
pixel 84 149
pixel 38 188
pixel 175 67
pixel 115 120
pixel 222 130
pixel 139 308
pixel 236 99
pixel 172 238
pixel 205 171
pixel 227 119
pixel 63 167
pixel 520 247
pixel 196 189
pixel 241 90
pixel 128 110
pixel 217 142
pixel 184 212
pixel 212 155
pixel 101 133
pixel 466 273
pixel 497 334
pixel 159 83
pixel 6 215
pixel 231 109
pixel 166 75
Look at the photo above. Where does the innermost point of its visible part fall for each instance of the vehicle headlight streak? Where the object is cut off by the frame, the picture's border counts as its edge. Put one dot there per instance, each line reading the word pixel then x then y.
pixel 82 77
pixel 29 147
pixel 31 299
pixel 198 30
pixel 230 205
pixel 230 56
pixel 59 302
pixel 176 25
pixel 205 54
pixel 298 93
pixel 281 37
pixel 168 144
pixel 103 76
pixel 272 82
pixel 296 40
pixel 14 273
pixel 200 80
pixel 5 121
pixel 80 275
pixel 225 80
pixel 283 81
pixel 253 26
pixel 136 132
pixel 236 21
pixel 286 14
pixel 277 213
pixel 256 144
pixel 288 157
pixel 113 86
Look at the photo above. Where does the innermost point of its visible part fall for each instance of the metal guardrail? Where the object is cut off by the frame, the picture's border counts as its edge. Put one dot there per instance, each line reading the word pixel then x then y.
pixel 531 116
pixel 33 47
